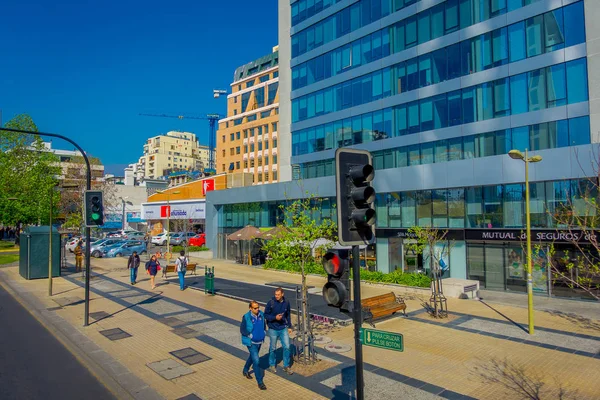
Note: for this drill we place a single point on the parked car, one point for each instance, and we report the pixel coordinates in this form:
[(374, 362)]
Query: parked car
[(198, 240), (133, 235), (160, 239), (181, 238), (125, 248), (97, 247), (113, 234), (72, 243)]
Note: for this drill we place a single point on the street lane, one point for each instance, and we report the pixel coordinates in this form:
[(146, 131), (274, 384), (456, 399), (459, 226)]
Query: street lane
[(35, 365)]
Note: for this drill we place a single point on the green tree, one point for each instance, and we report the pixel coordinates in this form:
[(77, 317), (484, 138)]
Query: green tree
[(27, 174), (298, 243), (434, 241)]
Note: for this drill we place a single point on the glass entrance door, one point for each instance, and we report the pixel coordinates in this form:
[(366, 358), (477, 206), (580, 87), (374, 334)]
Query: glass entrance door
[(494, 268)]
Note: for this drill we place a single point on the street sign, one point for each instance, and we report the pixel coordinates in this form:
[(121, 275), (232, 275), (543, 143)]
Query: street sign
[(382, 339)]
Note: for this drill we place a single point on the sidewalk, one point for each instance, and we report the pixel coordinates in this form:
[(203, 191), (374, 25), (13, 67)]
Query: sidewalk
[(437, 362)]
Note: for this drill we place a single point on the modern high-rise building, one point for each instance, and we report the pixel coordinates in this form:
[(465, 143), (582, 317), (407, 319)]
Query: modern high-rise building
[(247, 137), (172, 152), (439, 92)]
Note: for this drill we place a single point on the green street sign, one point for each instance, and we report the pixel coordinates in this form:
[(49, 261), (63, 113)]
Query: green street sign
[(382, 339)]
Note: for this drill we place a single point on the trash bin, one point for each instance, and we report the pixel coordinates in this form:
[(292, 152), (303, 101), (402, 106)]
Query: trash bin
[(209, 280), (33, 256)]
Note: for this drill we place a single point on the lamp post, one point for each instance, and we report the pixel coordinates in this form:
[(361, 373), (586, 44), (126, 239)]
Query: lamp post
[(123, 217), (168, 214), (517, 155)]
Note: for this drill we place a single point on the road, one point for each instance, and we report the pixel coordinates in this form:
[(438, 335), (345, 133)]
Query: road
[(35, 365)]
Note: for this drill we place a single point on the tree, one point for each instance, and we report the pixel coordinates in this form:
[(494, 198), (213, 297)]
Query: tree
[(27, 175), (297, 244), (430, 239)]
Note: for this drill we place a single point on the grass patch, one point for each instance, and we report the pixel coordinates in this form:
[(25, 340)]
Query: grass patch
[(8, 258), (177, 249), (7, 245)]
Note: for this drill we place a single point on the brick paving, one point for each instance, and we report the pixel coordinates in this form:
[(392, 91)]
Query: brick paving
[(438, 360)]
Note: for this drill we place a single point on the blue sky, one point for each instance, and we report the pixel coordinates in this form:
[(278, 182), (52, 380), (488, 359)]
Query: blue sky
[(86, 69)]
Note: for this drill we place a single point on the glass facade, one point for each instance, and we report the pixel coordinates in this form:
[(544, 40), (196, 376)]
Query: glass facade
[(547, 135)]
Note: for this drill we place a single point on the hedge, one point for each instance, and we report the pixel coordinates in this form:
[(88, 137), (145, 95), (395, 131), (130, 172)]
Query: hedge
[(397, 277), (177, 249)]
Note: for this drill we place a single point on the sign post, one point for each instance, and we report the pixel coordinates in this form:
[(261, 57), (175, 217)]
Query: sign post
[(382, 339)]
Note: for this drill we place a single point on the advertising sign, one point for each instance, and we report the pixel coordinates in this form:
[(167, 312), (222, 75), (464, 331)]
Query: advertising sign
[(207, 186), (191, 211)]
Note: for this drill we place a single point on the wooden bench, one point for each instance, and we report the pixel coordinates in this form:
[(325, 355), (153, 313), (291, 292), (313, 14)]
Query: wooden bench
[(191, 267), (382, 306)]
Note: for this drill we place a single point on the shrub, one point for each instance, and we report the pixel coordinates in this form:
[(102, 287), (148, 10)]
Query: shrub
[(397, 277), (177, 249)]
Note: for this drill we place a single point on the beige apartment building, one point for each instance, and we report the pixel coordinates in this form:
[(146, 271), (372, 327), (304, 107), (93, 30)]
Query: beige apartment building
[(171, 153), (72, 164), (247, 137)]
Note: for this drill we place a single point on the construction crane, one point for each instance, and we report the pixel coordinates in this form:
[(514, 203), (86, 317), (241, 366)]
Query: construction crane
[(212, 120)]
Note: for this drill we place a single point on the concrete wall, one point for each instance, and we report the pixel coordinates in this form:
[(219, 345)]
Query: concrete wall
[(285, 89)]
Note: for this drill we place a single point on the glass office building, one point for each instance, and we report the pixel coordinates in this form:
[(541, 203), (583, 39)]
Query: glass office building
[(439, 92)]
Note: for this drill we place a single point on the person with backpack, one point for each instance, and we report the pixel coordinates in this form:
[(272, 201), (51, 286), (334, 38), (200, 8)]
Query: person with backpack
[(181, 266), (277, 314), (252, 328), (133, 263)]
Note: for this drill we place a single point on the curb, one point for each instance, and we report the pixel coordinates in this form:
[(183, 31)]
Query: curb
[(121, 382)]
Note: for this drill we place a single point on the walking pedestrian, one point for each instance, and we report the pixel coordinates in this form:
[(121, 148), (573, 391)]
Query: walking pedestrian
[(181, 266), (152, 268), (133, 263), (78, 256), (252, 328), (277, 314)]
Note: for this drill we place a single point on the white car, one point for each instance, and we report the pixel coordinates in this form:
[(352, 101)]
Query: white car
[(72, 243), (160, 239), (133, 235)]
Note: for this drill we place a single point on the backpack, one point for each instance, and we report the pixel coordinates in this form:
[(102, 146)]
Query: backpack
[(183, 262)]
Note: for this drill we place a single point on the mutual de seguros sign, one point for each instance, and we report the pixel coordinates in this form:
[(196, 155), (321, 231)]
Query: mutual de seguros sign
[(195, 210)]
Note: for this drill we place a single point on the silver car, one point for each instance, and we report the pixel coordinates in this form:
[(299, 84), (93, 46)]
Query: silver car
[(97, 248)]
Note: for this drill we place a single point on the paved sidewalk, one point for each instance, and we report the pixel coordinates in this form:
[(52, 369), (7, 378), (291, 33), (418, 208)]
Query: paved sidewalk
[(438, 360)]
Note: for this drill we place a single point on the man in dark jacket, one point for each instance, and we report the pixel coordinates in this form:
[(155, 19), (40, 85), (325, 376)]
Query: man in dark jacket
[(133, 263), (277, 314)]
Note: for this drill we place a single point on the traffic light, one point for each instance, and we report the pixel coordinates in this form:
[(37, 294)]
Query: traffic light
[(355, 195), (336, 291), (94, 208)]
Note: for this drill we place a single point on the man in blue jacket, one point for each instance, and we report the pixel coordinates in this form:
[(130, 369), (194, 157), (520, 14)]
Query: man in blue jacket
[(279, 320), (252, 328)]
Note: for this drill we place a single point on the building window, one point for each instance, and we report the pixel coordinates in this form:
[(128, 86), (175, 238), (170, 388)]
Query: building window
[(274, 158), (252, 147), (235, 99), (260, 177), (245, 134), (260, 161), (232, 137), (245, 148), (260, 145), (231, 151), (274, 175), (274, 142), (274, 125), (237, 150), (237, 165), (223, 138), (266, 176), (223, 167), (245, 163), (267, 160), (266, 144), (267, 128), (252, 163), (237, 135)]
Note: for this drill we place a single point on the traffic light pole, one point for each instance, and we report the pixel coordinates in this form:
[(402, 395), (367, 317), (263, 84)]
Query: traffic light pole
[(360, 385), (88, 178)]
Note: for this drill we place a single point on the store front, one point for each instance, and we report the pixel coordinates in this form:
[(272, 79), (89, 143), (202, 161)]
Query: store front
[(183, 215), (494, 257)]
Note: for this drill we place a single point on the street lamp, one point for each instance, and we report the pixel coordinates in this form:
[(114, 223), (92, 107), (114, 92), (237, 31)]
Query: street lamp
[(168, 214), (125, 202), (517, 155)]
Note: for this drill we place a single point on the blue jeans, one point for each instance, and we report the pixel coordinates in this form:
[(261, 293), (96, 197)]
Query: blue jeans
[(254, 361), (284, 337), (133, 274), (181, 279)]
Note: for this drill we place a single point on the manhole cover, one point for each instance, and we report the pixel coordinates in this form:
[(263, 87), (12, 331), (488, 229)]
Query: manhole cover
[(337, 348), (190, 356), (185, 332), (320, 339)]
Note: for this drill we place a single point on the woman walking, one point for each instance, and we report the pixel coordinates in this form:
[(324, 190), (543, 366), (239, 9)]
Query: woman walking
[(253, 328), (152, 268)]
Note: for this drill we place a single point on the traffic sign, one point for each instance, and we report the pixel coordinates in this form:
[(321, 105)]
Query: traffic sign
[(382, 339)]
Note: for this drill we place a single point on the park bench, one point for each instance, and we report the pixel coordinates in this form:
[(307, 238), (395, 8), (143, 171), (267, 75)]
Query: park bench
[(382, 306), (191, 267)]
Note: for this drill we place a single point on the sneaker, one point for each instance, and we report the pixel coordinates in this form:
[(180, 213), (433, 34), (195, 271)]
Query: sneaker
[(273, 369), (262, 386), (288, 370), (247, 375)]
